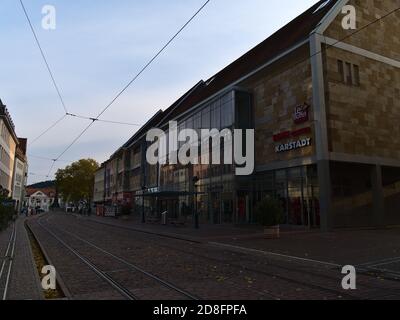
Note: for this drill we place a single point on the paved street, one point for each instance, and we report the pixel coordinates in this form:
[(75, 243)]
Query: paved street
[(108, 259)]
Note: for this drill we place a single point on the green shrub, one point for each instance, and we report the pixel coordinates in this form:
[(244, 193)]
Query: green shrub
[(269, 212), (126, 210), (6, 215)]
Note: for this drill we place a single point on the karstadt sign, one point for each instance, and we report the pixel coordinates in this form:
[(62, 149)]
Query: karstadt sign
[(293, 145)]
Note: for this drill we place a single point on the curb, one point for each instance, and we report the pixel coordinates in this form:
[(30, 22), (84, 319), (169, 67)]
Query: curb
[(164, 234), (60, 281), (36, 275)]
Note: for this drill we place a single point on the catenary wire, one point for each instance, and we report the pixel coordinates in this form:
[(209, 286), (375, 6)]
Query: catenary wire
[(328, 46), (133, 80), (43, 56)]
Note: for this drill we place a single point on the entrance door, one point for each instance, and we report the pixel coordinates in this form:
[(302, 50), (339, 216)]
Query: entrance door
[(243, 209)]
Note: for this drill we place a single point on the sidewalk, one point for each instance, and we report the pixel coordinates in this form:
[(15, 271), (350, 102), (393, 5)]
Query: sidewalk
[(24, 282), (4, 240), (343, 247), (206, 232)]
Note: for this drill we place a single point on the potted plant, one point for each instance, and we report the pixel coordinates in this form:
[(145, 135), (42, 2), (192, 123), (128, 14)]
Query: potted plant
[(269, 213)]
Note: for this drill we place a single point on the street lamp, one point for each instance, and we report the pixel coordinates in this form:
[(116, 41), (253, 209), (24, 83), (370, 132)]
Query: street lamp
[(196, 213)]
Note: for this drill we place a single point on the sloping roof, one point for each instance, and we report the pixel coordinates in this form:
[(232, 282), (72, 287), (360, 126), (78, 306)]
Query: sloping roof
[(156, 119), (23, 144), (44, 184), (50, 192), (5, 115), (287, 37)]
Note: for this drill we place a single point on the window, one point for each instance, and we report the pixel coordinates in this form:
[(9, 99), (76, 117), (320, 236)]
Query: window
[(341, 70), (349, 73), (356, 72), (227, 114), (205, 118), (216, 115), (349, 78)]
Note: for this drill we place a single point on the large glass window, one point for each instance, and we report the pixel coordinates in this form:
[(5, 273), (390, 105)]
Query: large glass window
[(216, 115), (205, 118)]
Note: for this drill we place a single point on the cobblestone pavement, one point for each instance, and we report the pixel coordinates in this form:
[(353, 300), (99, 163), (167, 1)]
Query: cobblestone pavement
[(344, 246), (4, 239), (204, 270), (24, 283)]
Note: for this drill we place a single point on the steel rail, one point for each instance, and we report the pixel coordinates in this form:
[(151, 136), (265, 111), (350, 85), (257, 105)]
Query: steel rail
[(132, 266), (9, 257), (120, 288)]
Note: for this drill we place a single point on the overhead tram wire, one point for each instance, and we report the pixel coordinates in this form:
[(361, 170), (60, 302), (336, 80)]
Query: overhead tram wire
[(101, 120), (44, 56), (37, 175), (48, 129), (55, 84), (328, 46), (131, 82), (48, 159)]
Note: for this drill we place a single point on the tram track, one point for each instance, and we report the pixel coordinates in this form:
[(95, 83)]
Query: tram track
[(283, 272), (286, 274), (7, 264), (107, 276), (367, 270)]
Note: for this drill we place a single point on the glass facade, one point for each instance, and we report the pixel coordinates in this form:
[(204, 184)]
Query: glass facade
[(297, 189), (213, 190), (213, 194)]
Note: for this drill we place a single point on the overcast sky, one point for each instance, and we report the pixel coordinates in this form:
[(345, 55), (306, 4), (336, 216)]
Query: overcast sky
[(99, 45)]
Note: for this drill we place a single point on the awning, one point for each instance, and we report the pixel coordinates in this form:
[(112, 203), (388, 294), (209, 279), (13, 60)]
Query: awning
[(168, 194)]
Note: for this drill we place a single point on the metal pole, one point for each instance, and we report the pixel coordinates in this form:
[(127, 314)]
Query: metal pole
[(196, 213), (143, 215)]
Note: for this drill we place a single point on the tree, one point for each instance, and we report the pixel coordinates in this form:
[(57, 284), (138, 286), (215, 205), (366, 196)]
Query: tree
[(75, 182), (6, 208), (269, 212)]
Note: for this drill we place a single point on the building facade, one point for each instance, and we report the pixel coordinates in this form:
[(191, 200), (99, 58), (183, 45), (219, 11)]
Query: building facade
[(99, 191), (20, 178), (8, 145), (40, 198), (324, 102)]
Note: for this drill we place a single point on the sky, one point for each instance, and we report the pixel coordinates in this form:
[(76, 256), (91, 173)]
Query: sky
[(98, 46)]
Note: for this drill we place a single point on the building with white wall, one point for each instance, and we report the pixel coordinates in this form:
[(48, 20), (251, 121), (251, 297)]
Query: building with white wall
[(20, 174), (40, 198), (8, 145)]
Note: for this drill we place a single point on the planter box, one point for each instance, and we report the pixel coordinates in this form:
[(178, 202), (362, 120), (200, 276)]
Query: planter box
[(272, 232)]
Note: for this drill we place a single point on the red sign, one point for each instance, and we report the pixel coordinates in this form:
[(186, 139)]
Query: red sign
[(301, 113), (290, 134)]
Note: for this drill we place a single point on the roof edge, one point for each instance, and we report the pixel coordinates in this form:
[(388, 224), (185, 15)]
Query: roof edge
[(329, 17)]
